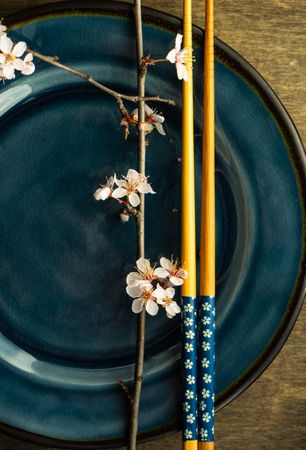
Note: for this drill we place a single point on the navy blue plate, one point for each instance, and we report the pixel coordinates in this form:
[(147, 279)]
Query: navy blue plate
[(67, 330)]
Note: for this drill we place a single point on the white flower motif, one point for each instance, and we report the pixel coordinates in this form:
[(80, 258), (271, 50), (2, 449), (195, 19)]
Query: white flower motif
[(178, 57), (10, 56), (188, 322), (205, 363), (164, 297), (206, 346), (202, 406), (152, 120), (206, 417), (188, 308), (207, 378), (131, 185), (142, 295), (207, 333), (188, 347), (105, 191), (204, 434), (206, 306), (190, 334), (205, 393), (188, 434), (186, 406), (189, 394), (188, 364), (171, 269), (190, 379), (206, 320), (190, 418)]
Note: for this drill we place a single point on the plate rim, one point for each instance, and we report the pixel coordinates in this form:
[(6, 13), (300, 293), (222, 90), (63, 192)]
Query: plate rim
[(296, 150)]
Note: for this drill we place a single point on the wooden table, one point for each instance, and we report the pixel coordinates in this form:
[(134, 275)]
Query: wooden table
[(271, 35)]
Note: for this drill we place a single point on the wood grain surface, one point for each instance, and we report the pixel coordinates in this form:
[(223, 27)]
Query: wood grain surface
[(271, 35)]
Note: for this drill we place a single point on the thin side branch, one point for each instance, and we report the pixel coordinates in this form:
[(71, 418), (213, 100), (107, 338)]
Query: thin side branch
[(53, 60)]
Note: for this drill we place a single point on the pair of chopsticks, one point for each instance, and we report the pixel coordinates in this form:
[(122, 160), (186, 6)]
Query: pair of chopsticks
[(198, 345)]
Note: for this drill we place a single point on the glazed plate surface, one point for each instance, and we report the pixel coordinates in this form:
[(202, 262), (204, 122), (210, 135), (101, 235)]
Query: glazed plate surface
[(67, 330)]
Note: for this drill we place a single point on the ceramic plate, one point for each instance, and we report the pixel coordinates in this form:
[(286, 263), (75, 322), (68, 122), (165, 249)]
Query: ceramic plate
[(67, 331)]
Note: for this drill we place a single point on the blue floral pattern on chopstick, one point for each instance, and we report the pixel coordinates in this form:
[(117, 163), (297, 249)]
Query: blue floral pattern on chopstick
[(206, 368), (189, 354)]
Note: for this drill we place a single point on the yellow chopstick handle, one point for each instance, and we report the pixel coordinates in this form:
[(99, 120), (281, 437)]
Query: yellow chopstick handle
[(188, 188), (190, 445), (206, 446), (208, 234)]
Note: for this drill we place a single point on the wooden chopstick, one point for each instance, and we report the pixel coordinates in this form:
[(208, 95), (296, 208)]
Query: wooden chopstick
[(189, 326), (206, 354)]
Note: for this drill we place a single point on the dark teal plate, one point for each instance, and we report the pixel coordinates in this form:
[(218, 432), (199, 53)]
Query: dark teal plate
[(68, 333)]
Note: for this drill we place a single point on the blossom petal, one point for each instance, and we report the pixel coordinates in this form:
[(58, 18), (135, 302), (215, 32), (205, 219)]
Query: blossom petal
[(132, 175), (143, 265), (137, 305), (28, 69), (166, 263), (18, 64), (172, 56), (176, 281), (133, 199), (159, 293), (170, 292), (151, 307), (133, 278), (102, 193), (160, 272), (158, 118), (119, 192), (8, 72), (28, 57), (160, 128), (181, 71), (133, 291), (145, 188), (178, 41), (6, 44), (149, 110), (19, 49)]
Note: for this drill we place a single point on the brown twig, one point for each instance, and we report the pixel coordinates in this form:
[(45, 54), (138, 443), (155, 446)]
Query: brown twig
[(54, 60), (138, 374), (126, 391)]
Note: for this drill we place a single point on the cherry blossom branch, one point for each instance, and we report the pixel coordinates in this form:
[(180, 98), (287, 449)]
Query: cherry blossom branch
[(138, 374), (54, 60)]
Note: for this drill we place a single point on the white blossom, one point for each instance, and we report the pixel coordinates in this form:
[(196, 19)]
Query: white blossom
[(105, 191), (142, 295), (171, 269), (10, 57), (179, 57), (207, 333), (206, 320), (190, 334), (206, 306), (188, 308), (130, 185), (188, 321), (165, 298), (153, 120), (203, 433), (206, 346)]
